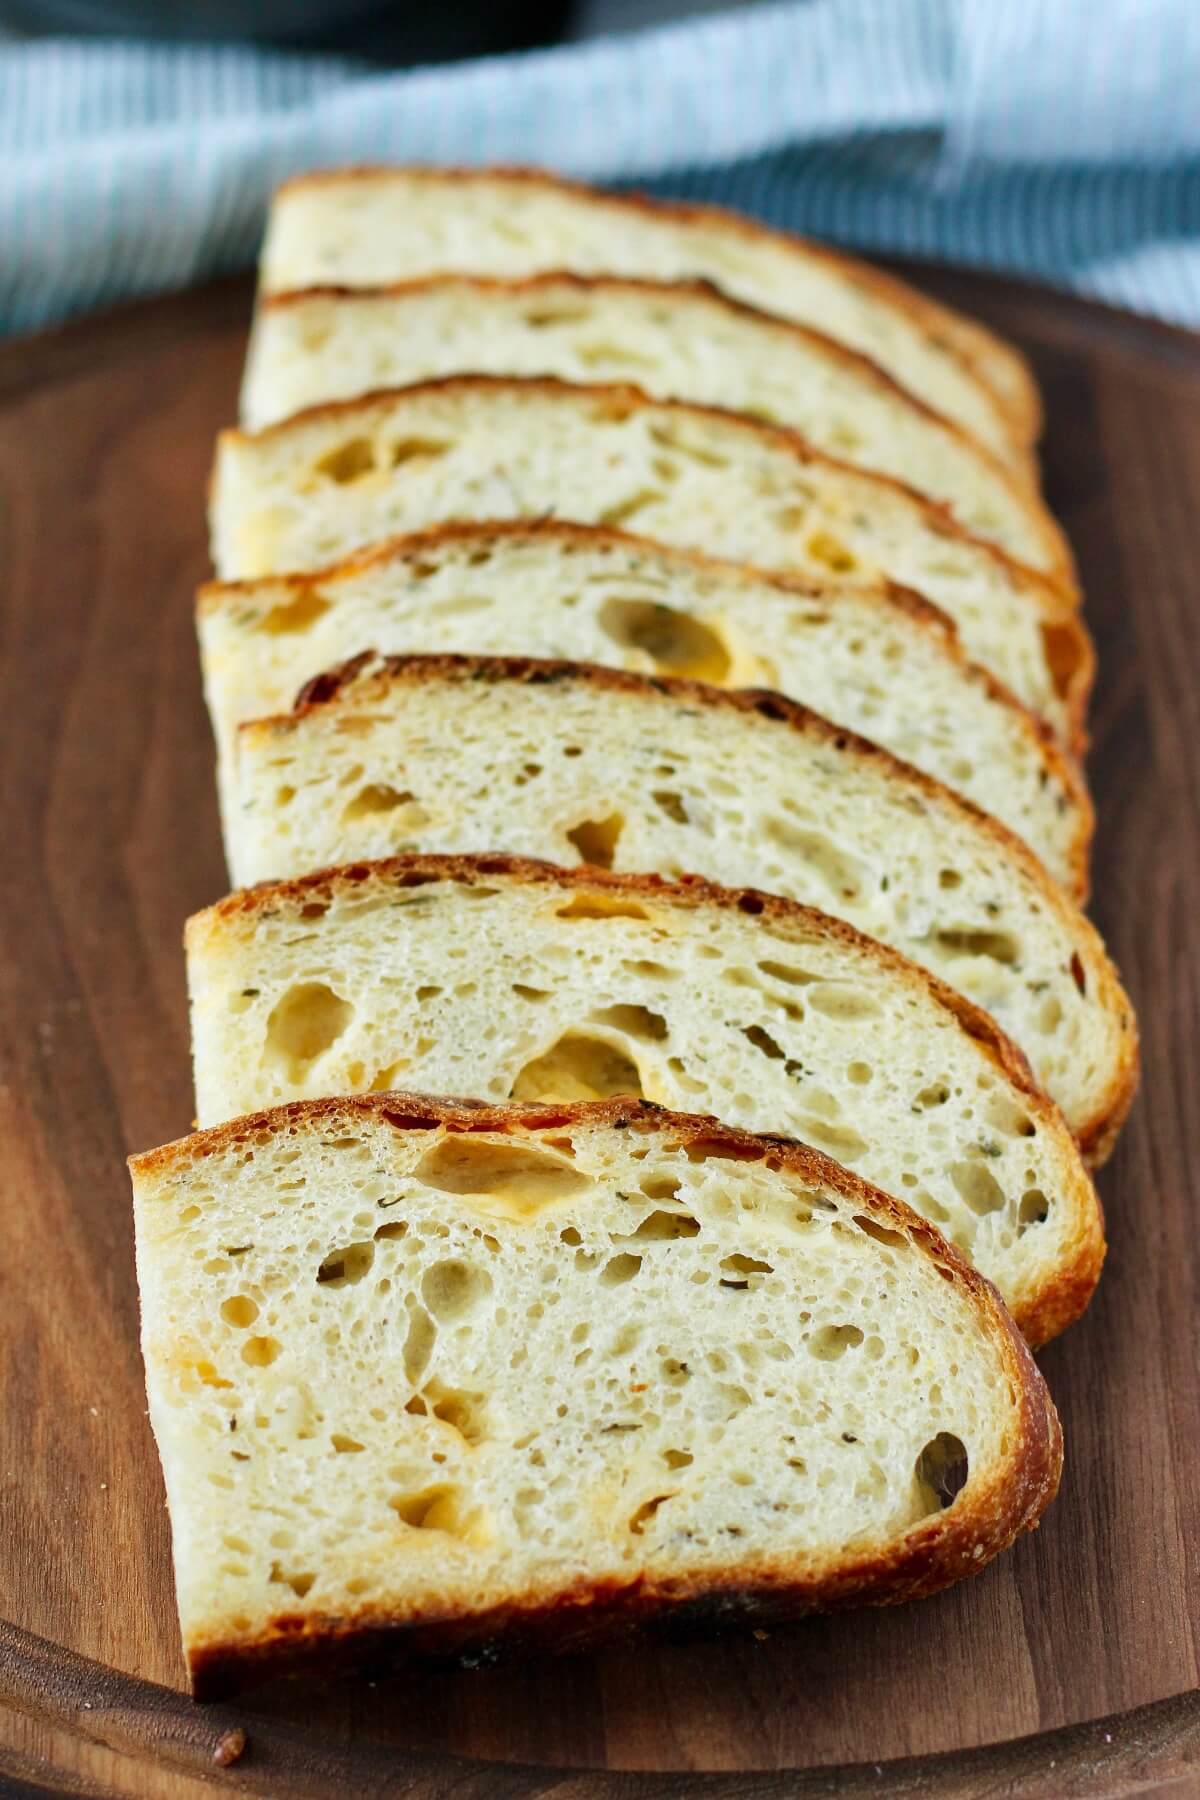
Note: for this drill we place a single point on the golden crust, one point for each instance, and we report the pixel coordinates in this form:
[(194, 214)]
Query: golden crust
[(1016, 401), (1070, 651), (626, 396), (940, 1550), (1048, 1310), (707, 293), (369, 673)]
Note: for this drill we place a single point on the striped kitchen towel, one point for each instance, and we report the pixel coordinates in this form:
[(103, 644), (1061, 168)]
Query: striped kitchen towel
[(1060, 141)]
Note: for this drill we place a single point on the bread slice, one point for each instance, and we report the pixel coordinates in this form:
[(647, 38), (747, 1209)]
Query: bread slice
[(857, 654), (425, 1376), (677, 342), (332, 480), (365, 227), (506, 979), (571, 764)]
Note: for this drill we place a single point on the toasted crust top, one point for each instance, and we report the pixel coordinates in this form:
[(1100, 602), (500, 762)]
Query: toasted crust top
[(1021, 410), (618, 400)]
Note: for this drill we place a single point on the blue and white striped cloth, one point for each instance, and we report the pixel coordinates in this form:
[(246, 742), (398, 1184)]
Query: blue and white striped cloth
[(1054, 138)]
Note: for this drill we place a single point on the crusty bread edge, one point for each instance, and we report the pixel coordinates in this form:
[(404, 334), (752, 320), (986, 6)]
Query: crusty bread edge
[(1060, 580), (1017, 405), (357, 680), (1043, 1314), (938, 1551), (1058, 620), (708, 294)]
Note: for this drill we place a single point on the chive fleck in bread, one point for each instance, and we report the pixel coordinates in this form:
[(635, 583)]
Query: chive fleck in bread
[(682, 343), (334, 479), (427, 1376), (365, 227), (571, 764), (859, 655), (505, 979)]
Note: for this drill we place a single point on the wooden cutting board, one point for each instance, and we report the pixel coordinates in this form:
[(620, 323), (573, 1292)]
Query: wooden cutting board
[(1086, 1631)]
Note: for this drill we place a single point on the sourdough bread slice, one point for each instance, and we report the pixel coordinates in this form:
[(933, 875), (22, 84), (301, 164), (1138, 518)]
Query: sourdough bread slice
[(423, 1376), (681, 343), (857, 654), (505, 979), (366, 227), (571, 765), (342, 476)]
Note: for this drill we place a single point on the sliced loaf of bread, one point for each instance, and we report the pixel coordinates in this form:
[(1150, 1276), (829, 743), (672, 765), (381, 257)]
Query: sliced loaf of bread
[(858, 655), (367, 227), (502, 979), (330, 481), (585, 765), (681, 343), (427, 1376)]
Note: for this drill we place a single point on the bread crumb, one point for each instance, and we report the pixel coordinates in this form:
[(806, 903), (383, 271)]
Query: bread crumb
[(229, 1747)]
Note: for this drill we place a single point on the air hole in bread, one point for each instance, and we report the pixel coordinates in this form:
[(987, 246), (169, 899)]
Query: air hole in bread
[(665, 1227), (624, 510), (762, 1040), (431, 1509), (384, 1080), (579, 1068), (1001, 946), (674, 437), (596, 840), (526, 992), (660, 1187), (739, 1269), (378, 797), (620, 1269), (978, 1187), (638, 1021), (941, 1471), (788, 973), (260, 1352), (880, 1233), (506, 1181), (676, 642), (672, 805), (839, 1001), (831, 553), (841, 873), (346, 1266), (678, 1459), (838, 1141), (645, 1512), (304, 1024), (1003, 1112), (239, 1310), (295, 615), (299, 1581), (348, 462), (949, 879), (1034, 1208), (418, 1343), (600, 906), (462, 1411), (452, 1290), (415, 449)]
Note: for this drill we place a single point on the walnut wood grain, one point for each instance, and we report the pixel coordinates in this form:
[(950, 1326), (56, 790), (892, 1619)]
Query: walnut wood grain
[(110, 839)]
